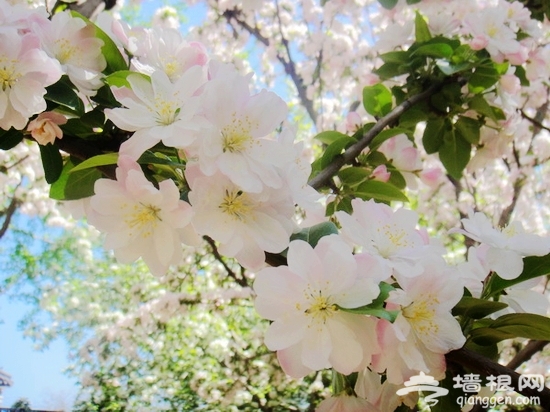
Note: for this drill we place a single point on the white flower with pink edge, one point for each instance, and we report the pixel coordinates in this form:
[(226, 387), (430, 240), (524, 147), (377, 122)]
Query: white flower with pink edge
[(309, 330), (140, 220)]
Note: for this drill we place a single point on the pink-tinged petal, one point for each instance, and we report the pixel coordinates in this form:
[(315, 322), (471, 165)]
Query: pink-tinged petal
[(278, 290), (235, 166), (267, 110), (347, 352), (270, 235), (339, 266), (137, 144), (303, 261), (132, 119), (344, 403), (316, 347), (447, 337), (165, 243), (363, 292), (507, 263), (291, 362), (529, 245), (251, 256), (286, 331)]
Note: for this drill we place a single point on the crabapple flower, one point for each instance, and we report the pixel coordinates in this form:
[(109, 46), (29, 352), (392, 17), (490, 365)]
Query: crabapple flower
[(45, 128), (140, 220), (158, 110), (402, 154), (309, 330), (246, 224), (236, 143), (74, 44), (507, 246), (425, 329), (25, 72), (345, 403), (389, 236)]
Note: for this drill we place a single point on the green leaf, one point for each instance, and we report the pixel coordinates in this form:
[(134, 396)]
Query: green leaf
[(77, 185), (522, 76), (454, 153), (63, 93), (388, 4), (401, 57), (10, 138), (329, 136), (468, 129), (120, 78), (482, 79), (335, 148), (416, 114), (432, 139), (475, 308), (449, 69), (385, 135), (313, 234), (437, 50), (352, 176), (421, 29), (115, 60), (533, 267), (513, 325), (51, 161), (374, 189), (99, 160), (377, 100), (376, 307), (480, 105), (391, 69)]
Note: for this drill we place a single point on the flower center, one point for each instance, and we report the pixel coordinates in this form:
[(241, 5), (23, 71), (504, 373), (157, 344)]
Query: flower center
[(236, 135), (236, 204), (421, 315), (391, 239), (320, 306), (65, 50), (166, 111), (8, 76), (144, 218)]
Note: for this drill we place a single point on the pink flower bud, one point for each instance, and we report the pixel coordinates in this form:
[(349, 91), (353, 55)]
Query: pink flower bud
[(45, 128), (381, 173)]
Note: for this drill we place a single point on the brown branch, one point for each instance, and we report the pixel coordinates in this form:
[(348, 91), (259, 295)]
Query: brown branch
[(532, 347), (241, 281), (484, 366), (8, 212), (536, 122), (507, 212), (288, 63), (323, 178)]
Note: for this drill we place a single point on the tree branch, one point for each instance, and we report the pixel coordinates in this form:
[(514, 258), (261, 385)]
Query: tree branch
[(8, 212), (532, 347), (288, 64), (241, 281), (484, 366), (322, 179)]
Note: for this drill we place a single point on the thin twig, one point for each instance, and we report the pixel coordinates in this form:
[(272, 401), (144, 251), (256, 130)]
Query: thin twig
[(288, 63), (241, 281), (355, 150), (536, 122), (9, 212)]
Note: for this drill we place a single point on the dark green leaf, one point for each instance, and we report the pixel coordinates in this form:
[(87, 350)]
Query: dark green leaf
[(401, 57), (468, 129), (51, 161), (482, 79), (454, 153), (352, 176), (416, 114), (533, 267), (63, 93), (330, 136), (77, 185), (388, 4), (377, 100), (476, 308), (10, 138), (391, 69), (513, 325), (479, 104), (437, 50), (522, 76), (313, 234), (374, 189), (335, 149), (432, 139), (421, 29)]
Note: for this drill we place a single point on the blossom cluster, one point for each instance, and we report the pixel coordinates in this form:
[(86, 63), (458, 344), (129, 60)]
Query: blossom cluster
[(375, 299)]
